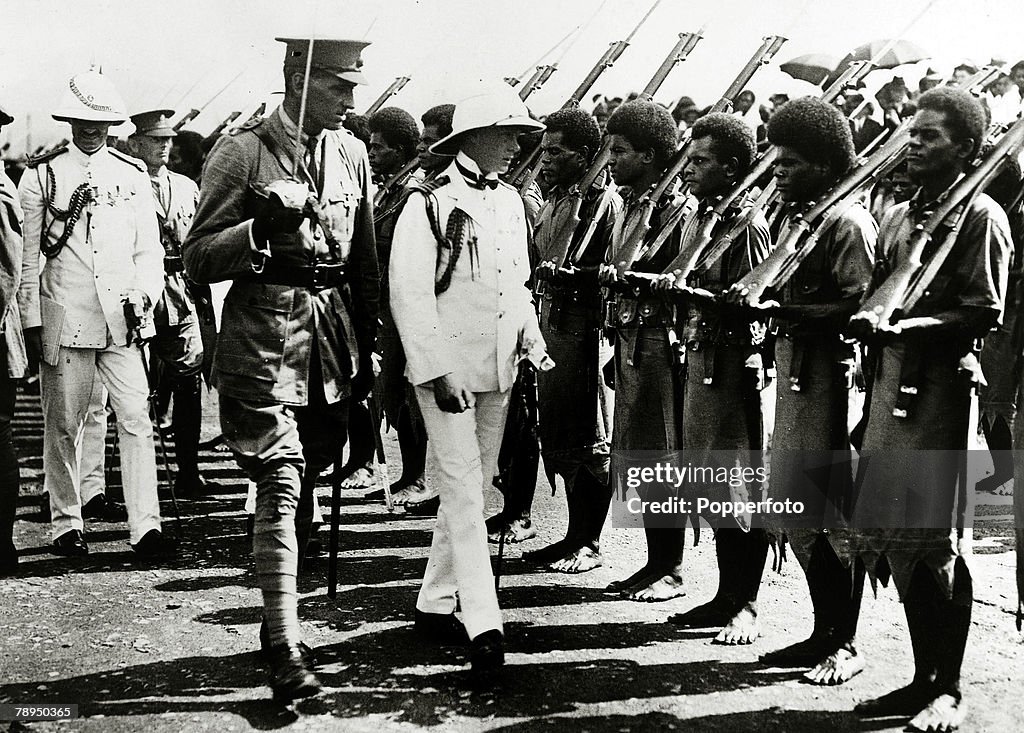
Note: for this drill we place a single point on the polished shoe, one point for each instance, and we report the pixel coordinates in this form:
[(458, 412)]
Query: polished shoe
[(99, 508), (153, 546), (440, 628), (426, 508), (486, 651), (190, 485), (71, 544), (8, 559), (308, 657), (289, 678)]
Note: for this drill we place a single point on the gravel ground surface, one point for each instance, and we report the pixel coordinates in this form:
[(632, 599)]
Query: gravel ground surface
[(173, 647)]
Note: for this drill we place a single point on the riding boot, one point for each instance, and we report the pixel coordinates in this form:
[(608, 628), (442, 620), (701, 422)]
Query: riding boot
[(187, 420)]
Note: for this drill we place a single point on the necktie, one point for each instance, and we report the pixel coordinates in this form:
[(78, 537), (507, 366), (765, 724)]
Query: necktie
[(475, 180), (312, 164)]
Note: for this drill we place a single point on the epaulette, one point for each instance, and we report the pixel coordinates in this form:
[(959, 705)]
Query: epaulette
[(250, 124), (426, 187), (134, 162), (35, 160)]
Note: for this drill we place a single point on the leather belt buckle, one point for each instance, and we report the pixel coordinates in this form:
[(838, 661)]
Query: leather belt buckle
[(321, 274)]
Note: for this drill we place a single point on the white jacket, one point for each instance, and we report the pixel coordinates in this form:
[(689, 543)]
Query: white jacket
[(475, 328), (114, 247)]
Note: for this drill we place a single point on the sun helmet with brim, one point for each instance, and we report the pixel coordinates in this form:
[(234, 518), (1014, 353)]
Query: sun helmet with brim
[(497, 106), (91, 97)]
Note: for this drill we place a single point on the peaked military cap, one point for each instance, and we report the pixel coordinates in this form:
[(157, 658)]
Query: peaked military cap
[(154, 123), (337, 56)]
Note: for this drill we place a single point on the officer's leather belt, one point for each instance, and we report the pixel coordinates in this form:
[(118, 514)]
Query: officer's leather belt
[(173, 264), (312, 277)]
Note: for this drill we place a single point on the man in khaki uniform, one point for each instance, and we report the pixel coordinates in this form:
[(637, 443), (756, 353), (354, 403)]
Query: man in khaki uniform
[(299, 322)]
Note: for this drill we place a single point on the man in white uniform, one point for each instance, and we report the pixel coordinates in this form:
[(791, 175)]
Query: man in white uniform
[(89, 211), (458, 270)]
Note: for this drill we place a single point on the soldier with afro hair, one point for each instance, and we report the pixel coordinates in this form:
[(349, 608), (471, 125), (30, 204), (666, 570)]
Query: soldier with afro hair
[(574, 429), (921, 403), (646, 380), (815, 150), (722, 404)]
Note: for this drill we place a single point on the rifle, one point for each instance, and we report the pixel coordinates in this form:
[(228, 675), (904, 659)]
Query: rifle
[(806, 228), (642, 222), (256, 114), (540, 75), (900, 292), (527, 171), (227, 121), (395, 87), (193, 113)]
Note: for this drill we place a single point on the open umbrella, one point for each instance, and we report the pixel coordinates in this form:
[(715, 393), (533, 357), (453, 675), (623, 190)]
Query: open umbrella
[(897, 53), (811, 67)]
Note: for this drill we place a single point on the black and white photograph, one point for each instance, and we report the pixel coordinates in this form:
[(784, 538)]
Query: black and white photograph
[(519, 366)]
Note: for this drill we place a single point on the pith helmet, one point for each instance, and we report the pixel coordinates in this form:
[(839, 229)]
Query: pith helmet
[(496, 106), (91, 96)]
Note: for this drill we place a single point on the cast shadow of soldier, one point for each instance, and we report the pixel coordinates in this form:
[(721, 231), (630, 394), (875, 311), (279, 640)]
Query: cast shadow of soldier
[(375, 674)]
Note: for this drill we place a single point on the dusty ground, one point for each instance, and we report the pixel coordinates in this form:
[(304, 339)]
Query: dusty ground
[(173, 648)]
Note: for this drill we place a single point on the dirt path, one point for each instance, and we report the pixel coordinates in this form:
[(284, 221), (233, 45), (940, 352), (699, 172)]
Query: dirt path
[(173, 648)]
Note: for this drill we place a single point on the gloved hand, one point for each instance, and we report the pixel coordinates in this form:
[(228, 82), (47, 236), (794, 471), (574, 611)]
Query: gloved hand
[(278, 220), (34, 346), (137, 317)]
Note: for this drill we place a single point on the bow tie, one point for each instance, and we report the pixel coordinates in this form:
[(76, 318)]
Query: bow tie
[(475, 180)]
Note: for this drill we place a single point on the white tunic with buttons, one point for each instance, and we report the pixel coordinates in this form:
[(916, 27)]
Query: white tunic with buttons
[(472, 329), (114, 247)]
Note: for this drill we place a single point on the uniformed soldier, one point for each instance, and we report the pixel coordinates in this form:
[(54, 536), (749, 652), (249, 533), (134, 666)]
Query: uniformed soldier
[(177, 346), (89, 212), (12, 358), (574, 403), (647, 390), (721, 417), (458, 271), (811, 439), (919, 411), (299, 321)]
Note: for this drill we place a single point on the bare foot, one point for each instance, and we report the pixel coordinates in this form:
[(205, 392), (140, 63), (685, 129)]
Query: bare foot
[(715, 612), (904, 702), (644, 575), (743, 628), (662, 589), (581, 561), (944, 713), (553, 552), (838, 667), (415, 493), (361, 478), (806, 653), (519, 530)]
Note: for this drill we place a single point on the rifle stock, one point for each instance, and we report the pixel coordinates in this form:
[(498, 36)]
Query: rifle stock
[(391, 182)]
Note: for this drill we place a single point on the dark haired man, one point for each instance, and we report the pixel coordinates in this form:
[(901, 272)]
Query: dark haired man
[(647, 391), (811, 441), (437, 124), (573, 402), (393, 140), (920, 402), (299, 321), (177, 346), (722, 403)]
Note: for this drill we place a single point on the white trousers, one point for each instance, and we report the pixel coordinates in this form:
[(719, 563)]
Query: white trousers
[(67, 389), (92, 459), (464, 448)]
